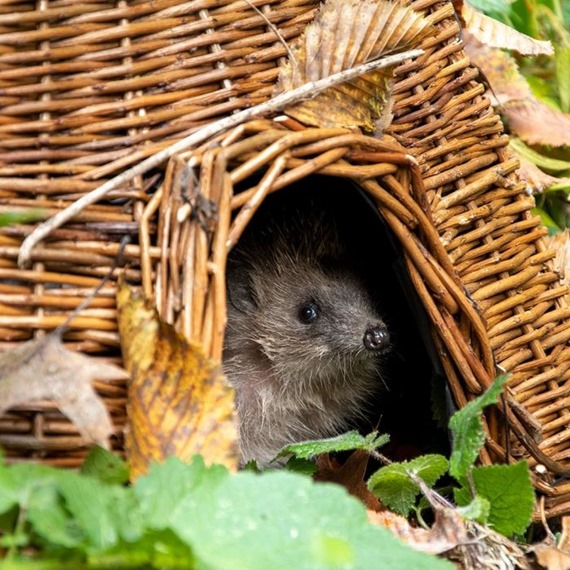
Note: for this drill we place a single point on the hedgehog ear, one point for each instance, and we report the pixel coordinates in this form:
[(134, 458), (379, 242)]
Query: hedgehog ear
[(240, 290)]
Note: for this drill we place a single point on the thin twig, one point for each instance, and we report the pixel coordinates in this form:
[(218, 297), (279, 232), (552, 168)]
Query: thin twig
[(116, 262), (274, 105), (274, 29)]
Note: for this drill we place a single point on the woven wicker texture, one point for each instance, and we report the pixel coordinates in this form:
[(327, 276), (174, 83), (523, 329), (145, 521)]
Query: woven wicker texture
[(88, 89)]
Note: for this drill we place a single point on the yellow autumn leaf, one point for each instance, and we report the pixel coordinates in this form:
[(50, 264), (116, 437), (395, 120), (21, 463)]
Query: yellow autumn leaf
[(178, 400)]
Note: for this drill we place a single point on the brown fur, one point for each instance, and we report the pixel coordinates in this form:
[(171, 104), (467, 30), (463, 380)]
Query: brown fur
[(297, 380)]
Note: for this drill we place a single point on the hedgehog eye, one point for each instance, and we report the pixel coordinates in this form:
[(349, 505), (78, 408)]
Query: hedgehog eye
[(308, 313)]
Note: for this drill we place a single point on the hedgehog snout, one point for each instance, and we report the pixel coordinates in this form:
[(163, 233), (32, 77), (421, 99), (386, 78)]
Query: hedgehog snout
[(376, 338)]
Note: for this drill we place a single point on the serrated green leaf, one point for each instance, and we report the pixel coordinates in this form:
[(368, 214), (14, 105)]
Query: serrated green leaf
[(394, 487), (476, 510), (105, 466), (9, 490), (51, 521), (161, 490), (94, 506), (282, 520), (345, 442), (510, 494), (468, 435), (302, 466), (33, 489)]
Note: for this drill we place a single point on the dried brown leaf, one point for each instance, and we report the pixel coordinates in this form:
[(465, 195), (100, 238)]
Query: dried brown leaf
[(179, 402), (350, 474), (45, 370), (343, 35), (555, 556), (533, 121), (500, 69), (552, 558), (447, 532), (537, 123), (560, 243), (536, 179), (496, 34)]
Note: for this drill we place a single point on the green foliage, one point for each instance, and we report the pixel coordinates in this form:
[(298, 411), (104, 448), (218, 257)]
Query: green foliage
[(393, 485), (105, 466), (346, 442), (500, 495), (32, 215), (191, 516), (549, 79), (468, 435), (508, 492), (188, 515)]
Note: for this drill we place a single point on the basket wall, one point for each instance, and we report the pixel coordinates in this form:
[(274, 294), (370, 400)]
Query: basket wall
[(89, 89)]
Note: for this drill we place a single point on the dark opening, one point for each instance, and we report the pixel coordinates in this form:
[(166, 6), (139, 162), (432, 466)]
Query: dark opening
[(404, 407)]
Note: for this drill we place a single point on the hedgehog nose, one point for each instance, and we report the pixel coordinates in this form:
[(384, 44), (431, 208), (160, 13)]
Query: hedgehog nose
[(376, 338)]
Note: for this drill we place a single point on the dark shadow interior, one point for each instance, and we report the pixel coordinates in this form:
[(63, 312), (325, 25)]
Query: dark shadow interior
[(405, 407)]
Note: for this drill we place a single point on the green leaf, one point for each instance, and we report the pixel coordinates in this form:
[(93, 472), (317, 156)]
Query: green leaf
[(345, 442), (9, 489), (491, 7), (563, 76), (162, 489), (468, 435), (105, 466), (94, 506), (509, 492), (8, 218), (34, 490), (393, 486), (302, 466), (279, 520), (542, 161), (547, 221), (476, 510)]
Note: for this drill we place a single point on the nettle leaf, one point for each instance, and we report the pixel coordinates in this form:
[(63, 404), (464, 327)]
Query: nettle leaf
[(509, 492), (9, 490), (105, 466), (476, 510), (393, 486), (51, 521), (33, 489), (282, 520), (162, 489), (468, 435), (101, 510), (302, 466), (345, 442)]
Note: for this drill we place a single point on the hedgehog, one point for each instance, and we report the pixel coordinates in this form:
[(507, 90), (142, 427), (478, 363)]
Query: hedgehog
[(304, 340)]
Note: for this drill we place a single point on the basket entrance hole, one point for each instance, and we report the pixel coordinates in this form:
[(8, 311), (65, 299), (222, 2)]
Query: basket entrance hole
[(412, 395)]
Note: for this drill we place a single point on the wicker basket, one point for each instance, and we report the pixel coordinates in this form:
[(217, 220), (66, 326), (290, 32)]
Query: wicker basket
[(89, 89)]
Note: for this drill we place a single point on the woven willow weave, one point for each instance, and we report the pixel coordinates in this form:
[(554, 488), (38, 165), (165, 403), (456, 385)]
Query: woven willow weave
[(89, 89)]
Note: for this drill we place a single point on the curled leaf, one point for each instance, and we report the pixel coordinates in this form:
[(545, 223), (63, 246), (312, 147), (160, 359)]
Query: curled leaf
[(493, 33), (343, 35), (178, 401), (530, 119)]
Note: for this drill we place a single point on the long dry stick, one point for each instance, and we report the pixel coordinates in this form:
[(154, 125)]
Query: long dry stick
[(274, 105)]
